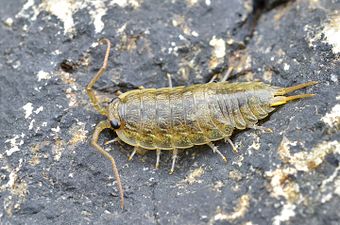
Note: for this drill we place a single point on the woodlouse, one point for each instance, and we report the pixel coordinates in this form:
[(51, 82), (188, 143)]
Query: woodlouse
[(176, 118)]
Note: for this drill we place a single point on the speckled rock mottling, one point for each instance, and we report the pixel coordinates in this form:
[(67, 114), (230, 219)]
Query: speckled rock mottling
[(48, 52)]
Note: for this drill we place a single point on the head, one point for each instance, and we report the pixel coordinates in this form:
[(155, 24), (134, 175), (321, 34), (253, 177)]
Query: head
[(113, 115)]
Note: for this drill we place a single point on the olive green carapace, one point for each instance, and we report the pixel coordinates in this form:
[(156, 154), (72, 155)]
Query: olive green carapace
[(177, 118)]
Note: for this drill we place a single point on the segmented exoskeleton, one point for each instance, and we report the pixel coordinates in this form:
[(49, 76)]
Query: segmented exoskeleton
[(181, 117)]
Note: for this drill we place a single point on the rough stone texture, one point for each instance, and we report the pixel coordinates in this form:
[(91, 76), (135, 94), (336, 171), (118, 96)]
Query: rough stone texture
[(48, 53)]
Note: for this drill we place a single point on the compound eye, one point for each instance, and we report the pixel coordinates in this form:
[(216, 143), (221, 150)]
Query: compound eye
[(115, 124)]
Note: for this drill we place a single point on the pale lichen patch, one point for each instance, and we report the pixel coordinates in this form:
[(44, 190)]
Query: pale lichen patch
[(194, 33), (287, 212), (58, 148), (42, 75), (332, 118), (256, 145), (17, 187), (180, 21), (281, 185), (28, 108), (193, 177), (30, 127), (72, 97), (332, 33), (238, 160), (65, 9), (286, 66), (26, 13), (267, 75), (78, 133), (68, 79), (72, 90), (8, 22), (97, 14), (218, 185), (124, 3), (191, 3), (235, 175), (218, 52), (36, 154), (240, 210), (39, 110), (337, 187), (56, 129), (15, 143), (332, 182), (306, 161), (328, 33)]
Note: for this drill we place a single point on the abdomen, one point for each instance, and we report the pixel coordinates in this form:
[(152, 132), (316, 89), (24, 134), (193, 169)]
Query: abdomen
[(182, 117)]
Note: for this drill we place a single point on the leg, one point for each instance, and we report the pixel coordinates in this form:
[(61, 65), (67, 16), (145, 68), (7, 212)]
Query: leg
[(170, 80), (215, 150), (227, 75), (158, 154), (116, 139), (138, 150), (261, 128), (90, 92), (135, 149), (99, 128), (232, 144), (213, 78), (174, 157)]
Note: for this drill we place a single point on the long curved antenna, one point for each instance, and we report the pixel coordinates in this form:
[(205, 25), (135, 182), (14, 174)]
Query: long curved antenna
[(93, 98), (99, 128)]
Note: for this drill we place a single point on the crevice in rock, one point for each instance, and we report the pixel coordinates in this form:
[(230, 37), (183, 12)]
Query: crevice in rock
[(244, 31)]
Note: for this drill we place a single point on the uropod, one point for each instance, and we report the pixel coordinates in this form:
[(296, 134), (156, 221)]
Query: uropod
[(178, 118)]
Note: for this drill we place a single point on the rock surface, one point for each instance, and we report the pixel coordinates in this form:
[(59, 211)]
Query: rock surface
[(49, 52)]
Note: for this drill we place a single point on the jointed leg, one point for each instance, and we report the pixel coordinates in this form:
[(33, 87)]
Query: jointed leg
[(227, 75), (170, 80), (174, 157), (99, 128), (158, 154), (213, 78), (232, 144), (116, 139), (138, 150), (135, 149), (261, 128), (89, 87), (215, 150)]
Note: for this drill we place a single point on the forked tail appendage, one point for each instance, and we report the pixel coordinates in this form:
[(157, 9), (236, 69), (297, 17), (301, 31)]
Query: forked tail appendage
[(280, 99)]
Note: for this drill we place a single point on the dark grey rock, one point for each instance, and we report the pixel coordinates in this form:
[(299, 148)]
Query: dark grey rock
[(50, 174)]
